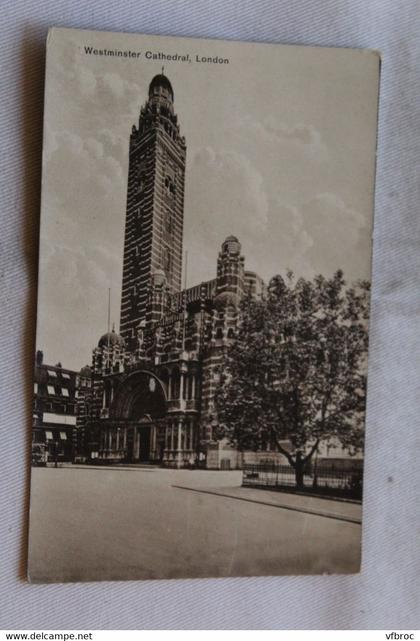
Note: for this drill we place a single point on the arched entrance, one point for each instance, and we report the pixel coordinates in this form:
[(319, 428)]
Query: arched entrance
[(142, 440), (139, 404)]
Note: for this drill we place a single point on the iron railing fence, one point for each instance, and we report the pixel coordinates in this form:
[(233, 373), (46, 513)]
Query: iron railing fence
[(323, 480)]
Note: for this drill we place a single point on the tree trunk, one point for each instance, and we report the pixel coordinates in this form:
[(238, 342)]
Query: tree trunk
[(299, 474)]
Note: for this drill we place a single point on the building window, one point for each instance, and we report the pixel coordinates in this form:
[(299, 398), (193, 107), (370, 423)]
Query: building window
[(51, 390), (49, 436), (63, 436), (52, 373), (64, 375), (65, 391), (169, 186)]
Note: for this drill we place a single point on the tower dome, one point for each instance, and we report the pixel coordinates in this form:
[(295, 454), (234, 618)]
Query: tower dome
[(226, 299), (86, 371), (111, 339), (231, 245), (161, 81), (158, 277)]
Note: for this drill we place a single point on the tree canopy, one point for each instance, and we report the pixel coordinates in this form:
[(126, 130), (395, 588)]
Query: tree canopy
[(297, 369)]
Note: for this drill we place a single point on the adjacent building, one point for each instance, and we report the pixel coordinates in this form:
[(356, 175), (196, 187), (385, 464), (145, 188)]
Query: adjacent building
[(54, 412)]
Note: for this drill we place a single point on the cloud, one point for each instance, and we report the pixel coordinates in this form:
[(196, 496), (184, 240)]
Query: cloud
[(340, 234), (277, 175), (74, 284), (84, 195), (277, 149), (85, 78), (321, 235), (225, 194), (99, 96), (304, 137), (83, 179)]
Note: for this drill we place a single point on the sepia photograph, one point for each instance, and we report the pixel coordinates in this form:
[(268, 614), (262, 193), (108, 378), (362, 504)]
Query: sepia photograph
[(203, 308)]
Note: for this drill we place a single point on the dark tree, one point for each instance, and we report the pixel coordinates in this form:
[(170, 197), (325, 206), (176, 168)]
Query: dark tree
[(295, 376)]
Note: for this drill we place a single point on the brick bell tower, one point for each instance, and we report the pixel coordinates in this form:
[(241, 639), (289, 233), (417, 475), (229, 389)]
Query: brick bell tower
[(155, 207)]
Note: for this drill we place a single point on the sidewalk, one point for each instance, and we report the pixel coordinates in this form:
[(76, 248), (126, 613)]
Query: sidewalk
[(227, 484), (328, 508)]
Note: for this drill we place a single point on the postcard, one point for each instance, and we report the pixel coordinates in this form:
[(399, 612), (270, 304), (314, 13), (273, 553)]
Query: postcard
[(203, 308)]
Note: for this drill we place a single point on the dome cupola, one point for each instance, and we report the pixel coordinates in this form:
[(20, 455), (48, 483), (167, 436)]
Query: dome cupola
[(158, 278), (111, 339), (160, 85), (86, 371), (231, 245)]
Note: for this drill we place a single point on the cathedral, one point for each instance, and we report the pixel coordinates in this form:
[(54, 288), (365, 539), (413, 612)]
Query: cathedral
[(151, 397)]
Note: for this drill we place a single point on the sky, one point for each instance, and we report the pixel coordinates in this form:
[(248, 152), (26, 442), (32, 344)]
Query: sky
[(280, 153)]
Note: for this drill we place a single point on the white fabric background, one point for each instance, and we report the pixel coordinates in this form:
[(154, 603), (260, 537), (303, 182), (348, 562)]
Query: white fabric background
[(386, 594)]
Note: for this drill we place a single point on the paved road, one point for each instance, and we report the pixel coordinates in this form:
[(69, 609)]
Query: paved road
[(128, 523)]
